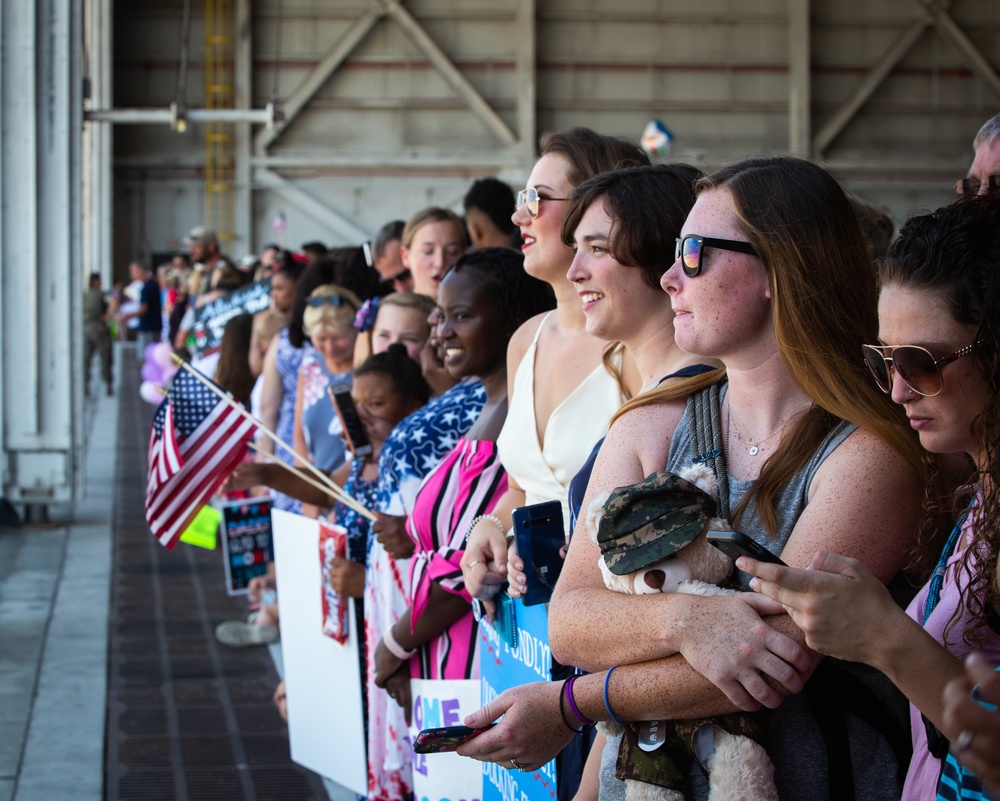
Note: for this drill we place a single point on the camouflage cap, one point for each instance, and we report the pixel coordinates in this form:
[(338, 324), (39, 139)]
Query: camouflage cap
[(651, 520)]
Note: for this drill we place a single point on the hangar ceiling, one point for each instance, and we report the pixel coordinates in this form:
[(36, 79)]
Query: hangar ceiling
[(390, 105)]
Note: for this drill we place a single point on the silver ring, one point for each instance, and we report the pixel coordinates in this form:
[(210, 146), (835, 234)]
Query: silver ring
[(964, 740), (518, 765), (473, 563)]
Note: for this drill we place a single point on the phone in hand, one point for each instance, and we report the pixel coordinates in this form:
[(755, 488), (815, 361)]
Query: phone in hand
[(540, 535), (505, 618), (735, 544), (350, 421), (449, 738)]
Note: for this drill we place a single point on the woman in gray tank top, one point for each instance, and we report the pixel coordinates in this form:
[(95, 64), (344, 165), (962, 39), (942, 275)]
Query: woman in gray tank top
[(772, 278)]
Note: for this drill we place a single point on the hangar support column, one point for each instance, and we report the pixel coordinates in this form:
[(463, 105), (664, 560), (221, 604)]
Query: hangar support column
[(40, 247)]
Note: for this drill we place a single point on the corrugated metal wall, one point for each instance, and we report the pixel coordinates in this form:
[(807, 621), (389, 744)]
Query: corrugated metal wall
[(386, 134)]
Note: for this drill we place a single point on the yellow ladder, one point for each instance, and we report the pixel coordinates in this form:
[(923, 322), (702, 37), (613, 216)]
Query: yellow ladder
[(219, 140)]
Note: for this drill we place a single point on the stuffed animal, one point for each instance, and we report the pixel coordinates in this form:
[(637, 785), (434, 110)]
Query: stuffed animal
[(652, 539)]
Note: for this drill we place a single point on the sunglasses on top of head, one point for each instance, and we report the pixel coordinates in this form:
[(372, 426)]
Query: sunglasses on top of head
[(529, 199), (328, 300), (919, 370), (690, 249)]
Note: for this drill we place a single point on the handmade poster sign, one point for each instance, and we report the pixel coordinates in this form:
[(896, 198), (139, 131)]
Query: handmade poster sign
[(246, 537), (211, 318), (436, 704), (322, 677), (504, 667), (333, 545)]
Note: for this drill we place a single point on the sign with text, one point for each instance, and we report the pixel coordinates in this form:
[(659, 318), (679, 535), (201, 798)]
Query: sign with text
[(437, 777), (326, 730), (246, 534), (504, 667), (211, 318)]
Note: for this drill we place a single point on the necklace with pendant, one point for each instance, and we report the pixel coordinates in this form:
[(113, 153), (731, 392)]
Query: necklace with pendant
[(753, 446)]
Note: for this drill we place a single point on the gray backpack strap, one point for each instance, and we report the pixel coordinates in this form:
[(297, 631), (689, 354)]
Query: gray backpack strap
[(705, 422)]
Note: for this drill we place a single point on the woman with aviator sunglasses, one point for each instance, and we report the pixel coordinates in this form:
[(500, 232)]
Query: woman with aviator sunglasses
[(562, 395), (563, 390), (939, 289)]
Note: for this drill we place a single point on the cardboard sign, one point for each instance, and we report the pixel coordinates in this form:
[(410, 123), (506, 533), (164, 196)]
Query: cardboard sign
[(444, 776), (246, 534), (333, 545), (211, 318), (322, 678), (504, 667)]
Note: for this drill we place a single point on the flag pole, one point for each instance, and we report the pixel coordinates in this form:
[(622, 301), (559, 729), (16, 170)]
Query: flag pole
[(271, 459), (335, 489)]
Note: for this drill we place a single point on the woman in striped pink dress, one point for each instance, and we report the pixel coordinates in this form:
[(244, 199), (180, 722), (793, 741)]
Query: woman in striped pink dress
[(481, 301)]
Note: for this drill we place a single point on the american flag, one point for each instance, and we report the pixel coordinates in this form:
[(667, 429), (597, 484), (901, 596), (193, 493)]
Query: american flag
[(196, 442)]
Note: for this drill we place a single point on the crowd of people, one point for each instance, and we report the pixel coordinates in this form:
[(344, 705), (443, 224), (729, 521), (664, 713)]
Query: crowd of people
[(583, 341)]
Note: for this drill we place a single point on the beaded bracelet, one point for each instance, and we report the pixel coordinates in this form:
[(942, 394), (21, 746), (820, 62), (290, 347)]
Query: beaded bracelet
[(607, 704), (394, 647), (491, 517)]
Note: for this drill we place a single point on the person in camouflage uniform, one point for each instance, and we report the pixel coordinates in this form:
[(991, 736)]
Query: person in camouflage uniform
[(96, 336)]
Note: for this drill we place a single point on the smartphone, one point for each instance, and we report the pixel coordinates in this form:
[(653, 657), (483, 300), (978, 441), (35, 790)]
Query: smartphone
[(354, 431), (449, 738), (540, 534), (735, 544)]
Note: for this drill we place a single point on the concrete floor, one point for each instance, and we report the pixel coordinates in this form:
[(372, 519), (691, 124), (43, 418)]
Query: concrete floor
[(55, 591)]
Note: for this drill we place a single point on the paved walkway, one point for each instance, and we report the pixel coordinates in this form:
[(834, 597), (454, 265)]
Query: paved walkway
[(112, 685)]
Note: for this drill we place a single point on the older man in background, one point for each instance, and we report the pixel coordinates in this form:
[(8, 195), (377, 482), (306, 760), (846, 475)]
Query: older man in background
[(984, 174)]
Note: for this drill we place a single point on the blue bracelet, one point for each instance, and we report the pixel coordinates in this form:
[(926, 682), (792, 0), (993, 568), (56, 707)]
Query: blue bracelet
[(607, 704)]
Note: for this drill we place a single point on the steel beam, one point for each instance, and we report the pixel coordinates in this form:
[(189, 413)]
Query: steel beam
[(40, 244), (242, 138), (799, 77), (311, 205), (526, 81), (864, 90), (97, 144), (304, 92), (449, 72), (956, 37), (171, 116)]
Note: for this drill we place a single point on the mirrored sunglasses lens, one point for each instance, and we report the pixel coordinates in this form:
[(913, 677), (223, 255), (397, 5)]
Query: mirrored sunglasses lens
[(531, 201), (691, 255), (916, 367), (878, 367), (528, 200)]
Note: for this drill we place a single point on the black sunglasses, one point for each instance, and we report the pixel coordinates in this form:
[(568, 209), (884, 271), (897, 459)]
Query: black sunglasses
[(690, 248), (401, 276), (971, 186), (919, 370)]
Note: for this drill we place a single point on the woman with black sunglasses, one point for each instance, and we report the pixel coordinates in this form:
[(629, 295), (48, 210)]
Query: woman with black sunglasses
[(809, 453), (940, 295)]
